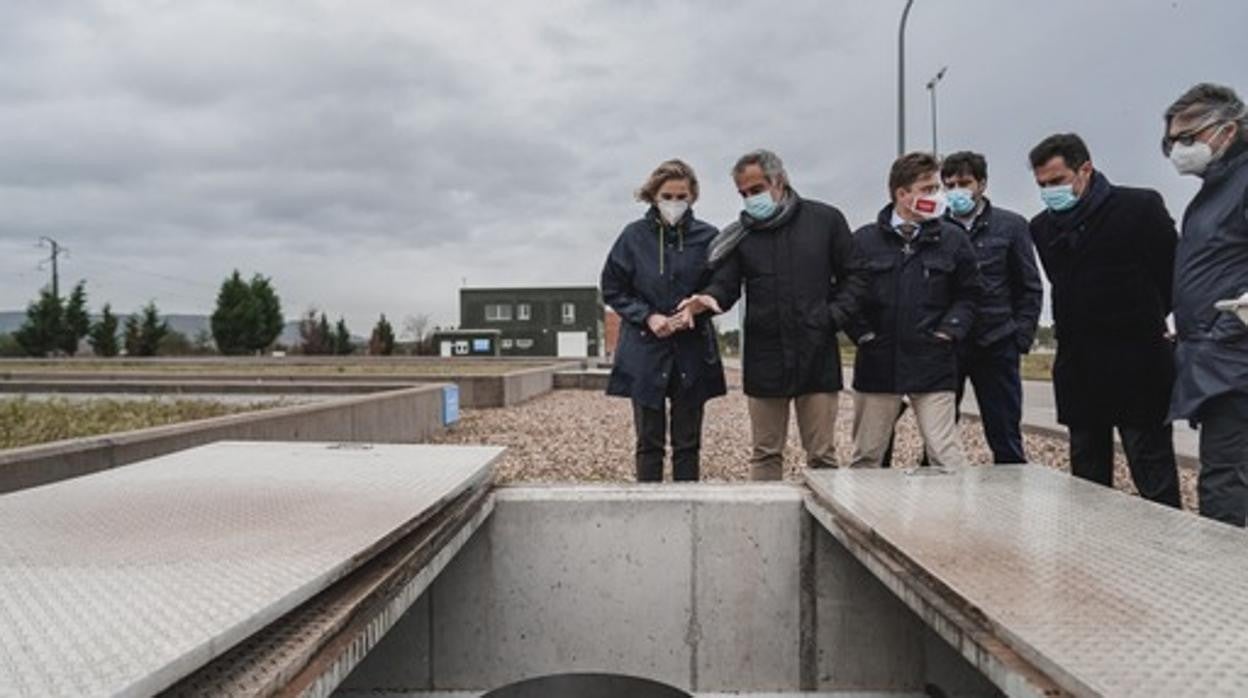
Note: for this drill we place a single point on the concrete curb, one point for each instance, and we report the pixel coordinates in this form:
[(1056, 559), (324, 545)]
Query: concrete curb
[(409, 415), (484, 390)]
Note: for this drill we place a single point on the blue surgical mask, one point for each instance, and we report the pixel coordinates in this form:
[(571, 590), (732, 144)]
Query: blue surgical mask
[(1059, 198), (760, 206), (961, 201)]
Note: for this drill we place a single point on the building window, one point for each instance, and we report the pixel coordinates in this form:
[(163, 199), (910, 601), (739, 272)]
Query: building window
[(524, 311), (569, 313), (524, 344), (497, 313)]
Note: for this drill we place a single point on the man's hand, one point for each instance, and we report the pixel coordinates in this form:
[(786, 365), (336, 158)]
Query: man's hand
[(659, 326), (682, 320), (700, 303)]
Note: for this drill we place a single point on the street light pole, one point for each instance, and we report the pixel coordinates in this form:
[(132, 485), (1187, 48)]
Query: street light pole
[(931, 87), (901, 80)]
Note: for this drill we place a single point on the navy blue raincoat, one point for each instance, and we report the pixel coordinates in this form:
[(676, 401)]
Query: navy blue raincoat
[(651, 268)]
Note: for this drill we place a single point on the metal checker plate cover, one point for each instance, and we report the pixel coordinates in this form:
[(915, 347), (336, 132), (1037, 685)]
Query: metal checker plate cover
[(1107, 593), (120, 583)]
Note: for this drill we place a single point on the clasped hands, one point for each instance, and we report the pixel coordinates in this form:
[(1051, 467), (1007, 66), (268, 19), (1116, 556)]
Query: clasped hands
[(664, 326)]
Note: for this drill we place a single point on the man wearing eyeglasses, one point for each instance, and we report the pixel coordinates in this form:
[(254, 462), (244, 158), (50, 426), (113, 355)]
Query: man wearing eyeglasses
[(1108, 251), (1207, 136)]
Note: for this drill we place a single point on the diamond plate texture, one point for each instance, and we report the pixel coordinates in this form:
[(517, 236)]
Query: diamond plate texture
[(1109, 594), (119, 583)]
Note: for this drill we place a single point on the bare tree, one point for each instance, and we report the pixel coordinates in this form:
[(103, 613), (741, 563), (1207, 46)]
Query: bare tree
[(415, 327)]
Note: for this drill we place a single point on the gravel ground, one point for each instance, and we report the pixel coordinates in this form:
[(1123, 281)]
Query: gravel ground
[(585, 436)]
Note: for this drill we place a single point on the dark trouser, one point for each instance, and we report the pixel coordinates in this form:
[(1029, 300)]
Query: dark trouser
[(1150, 456), (993, 371), (1224, 458), (652, 427)]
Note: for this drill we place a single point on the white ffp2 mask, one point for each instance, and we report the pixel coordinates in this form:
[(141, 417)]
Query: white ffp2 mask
[(673, 211)]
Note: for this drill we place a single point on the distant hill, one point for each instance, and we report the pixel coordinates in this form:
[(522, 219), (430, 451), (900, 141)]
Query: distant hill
[(189, 325)]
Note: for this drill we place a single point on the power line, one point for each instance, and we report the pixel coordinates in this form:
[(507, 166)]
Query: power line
[(180, 280), (158, 275)]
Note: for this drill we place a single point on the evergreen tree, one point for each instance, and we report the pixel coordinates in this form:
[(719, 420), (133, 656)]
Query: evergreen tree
[(266, 315), (132, 338), (145, 332), (43, 331), (248, 317), (326, 332), (342, 339), (76, 323), (381, 343), (230, 322), (104, 334)]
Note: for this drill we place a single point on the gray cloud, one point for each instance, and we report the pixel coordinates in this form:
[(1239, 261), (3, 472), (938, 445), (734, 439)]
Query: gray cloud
[(372, 155)]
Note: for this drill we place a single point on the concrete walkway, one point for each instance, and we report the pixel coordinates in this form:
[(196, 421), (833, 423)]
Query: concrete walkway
[(1040, 414)]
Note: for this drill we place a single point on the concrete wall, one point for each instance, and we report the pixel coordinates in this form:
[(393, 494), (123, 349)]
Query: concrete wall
[(397, 363), (403, 416), (195, 386), (478, 391), (705, 587), (586, 379)]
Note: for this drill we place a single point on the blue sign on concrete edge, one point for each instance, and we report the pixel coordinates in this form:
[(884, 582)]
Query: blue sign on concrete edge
[(450, 404)]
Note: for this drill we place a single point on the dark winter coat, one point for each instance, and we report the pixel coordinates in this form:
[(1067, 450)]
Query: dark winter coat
[(651, 268), (1012, 294), (915, 290), (1212, 265), (801, 287), (1110, 262)]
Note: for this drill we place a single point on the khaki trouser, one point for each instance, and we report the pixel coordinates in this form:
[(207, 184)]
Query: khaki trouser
[(876, 413), (769, 424)]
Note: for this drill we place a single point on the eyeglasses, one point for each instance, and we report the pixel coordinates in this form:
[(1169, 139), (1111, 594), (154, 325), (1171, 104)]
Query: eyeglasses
[(1186, 138)]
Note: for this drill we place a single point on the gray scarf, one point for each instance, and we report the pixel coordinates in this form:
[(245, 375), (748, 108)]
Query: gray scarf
[(732, 235)]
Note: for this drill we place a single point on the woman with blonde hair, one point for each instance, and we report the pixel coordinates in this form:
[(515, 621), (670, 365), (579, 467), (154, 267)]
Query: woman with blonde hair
[(667, 361)]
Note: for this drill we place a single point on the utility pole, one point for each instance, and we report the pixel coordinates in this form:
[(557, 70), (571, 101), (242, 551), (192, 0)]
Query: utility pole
[(57, 250), (901, 80), (931, 87)]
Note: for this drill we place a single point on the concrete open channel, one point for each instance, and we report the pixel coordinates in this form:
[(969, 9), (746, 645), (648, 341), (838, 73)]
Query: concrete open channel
[(363, 561)]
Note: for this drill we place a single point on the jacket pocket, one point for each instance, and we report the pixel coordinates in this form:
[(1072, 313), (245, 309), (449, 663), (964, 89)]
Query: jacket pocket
[(880, 277), (990, 255)]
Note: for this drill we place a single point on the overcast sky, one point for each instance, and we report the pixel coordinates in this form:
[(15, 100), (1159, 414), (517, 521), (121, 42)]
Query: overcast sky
[(371, 156)]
